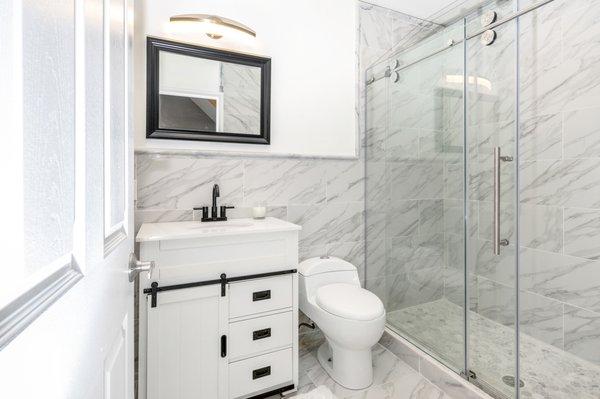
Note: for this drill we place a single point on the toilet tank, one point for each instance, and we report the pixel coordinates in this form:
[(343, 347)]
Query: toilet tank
[(317, 272)]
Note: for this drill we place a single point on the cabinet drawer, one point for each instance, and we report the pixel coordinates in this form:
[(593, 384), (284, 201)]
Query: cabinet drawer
[(258, 335), (260, 295), (260, 373)]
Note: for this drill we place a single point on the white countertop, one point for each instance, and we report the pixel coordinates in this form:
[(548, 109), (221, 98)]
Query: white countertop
[(197, 229)]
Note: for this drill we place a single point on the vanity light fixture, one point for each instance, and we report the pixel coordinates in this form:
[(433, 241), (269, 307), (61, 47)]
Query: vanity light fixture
[(214, 26)]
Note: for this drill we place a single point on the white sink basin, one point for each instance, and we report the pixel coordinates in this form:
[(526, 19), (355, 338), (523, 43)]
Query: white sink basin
[(174, 230)]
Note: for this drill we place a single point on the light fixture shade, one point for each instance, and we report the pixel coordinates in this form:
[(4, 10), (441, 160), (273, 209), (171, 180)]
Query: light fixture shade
[(216, 27)]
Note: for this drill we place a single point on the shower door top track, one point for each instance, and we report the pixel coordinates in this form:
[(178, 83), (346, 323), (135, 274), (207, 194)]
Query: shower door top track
[(453, 43)]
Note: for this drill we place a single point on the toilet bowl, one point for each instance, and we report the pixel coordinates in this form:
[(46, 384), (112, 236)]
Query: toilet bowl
[(351, 318)]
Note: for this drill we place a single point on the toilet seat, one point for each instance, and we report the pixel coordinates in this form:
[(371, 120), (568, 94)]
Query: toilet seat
[(349, 302)]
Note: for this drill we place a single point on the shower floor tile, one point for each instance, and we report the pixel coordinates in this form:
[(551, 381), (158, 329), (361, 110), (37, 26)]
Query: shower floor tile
[(548, 372)]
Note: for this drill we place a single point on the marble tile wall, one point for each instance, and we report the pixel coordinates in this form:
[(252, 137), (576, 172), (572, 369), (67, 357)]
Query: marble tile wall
[(324, 196), (560, 179)]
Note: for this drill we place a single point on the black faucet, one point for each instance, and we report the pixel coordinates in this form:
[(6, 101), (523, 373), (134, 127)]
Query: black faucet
[(216, 194), (214, 217)]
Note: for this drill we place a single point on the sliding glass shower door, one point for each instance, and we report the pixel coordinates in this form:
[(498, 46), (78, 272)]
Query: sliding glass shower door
[(415, 197), (491, 181), (441, 160), (483, 196)]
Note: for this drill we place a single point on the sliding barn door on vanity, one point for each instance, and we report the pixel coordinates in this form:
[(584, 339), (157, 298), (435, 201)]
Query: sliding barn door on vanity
[(186, 358)]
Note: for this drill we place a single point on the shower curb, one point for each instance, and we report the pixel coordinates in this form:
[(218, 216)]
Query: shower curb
[(444, 378)]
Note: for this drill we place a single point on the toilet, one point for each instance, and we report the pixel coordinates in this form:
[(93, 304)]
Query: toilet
[(351, 318)]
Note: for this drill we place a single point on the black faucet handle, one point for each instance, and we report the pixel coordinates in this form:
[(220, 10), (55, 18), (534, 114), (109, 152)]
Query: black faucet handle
[(204, 209), (224, 211)]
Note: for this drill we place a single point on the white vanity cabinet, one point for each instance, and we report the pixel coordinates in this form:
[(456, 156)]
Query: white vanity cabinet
[(218, 317)]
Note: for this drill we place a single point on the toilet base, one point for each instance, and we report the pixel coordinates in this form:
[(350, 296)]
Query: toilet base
[(352, 369)]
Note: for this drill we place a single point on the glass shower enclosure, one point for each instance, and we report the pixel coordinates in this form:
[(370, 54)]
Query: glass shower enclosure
[(482, 156)]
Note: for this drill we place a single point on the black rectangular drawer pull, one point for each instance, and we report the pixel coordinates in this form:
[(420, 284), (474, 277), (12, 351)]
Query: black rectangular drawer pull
[(261, 295), (260, 373), (261, 334)]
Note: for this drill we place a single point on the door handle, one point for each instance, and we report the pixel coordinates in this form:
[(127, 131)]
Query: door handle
[(136, 267), (496, 240)]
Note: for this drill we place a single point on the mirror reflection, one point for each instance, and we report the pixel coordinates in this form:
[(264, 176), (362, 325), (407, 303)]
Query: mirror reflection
[(198, 94)]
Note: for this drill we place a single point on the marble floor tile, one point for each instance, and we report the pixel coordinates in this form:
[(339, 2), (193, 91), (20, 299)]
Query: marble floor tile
[(392, 378), (408, 386)]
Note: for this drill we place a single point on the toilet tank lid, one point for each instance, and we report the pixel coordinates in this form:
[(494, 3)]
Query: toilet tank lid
[(313, 266)]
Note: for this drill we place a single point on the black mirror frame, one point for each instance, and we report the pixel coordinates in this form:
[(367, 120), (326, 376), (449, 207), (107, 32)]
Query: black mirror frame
[(153, 48)]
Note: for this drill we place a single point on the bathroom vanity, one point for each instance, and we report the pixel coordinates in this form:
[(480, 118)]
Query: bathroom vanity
[(218, 315)]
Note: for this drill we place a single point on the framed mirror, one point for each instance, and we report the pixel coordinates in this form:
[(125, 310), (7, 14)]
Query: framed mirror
[(200, 93)]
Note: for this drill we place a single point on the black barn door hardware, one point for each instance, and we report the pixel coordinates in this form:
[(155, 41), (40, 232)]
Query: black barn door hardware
[(223, 280)]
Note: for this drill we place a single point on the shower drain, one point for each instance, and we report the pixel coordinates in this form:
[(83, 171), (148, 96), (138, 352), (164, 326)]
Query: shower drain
[(510, 381)]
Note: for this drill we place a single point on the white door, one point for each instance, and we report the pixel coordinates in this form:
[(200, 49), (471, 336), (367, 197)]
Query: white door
[(66, 304)]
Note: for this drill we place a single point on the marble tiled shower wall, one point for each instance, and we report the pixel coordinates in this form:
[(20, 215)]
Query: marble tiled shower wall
[(414, 158), (421, 184), (383, 32), (560, 176)]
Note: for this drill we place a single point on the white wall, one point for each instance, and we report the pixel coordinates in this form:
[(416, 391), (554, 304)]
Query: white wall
[(312, 44)]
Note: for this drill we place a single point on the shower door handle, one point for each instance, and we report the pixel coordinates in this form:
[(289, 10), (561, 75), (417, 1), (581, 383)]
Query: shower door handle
[(497, 241)]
